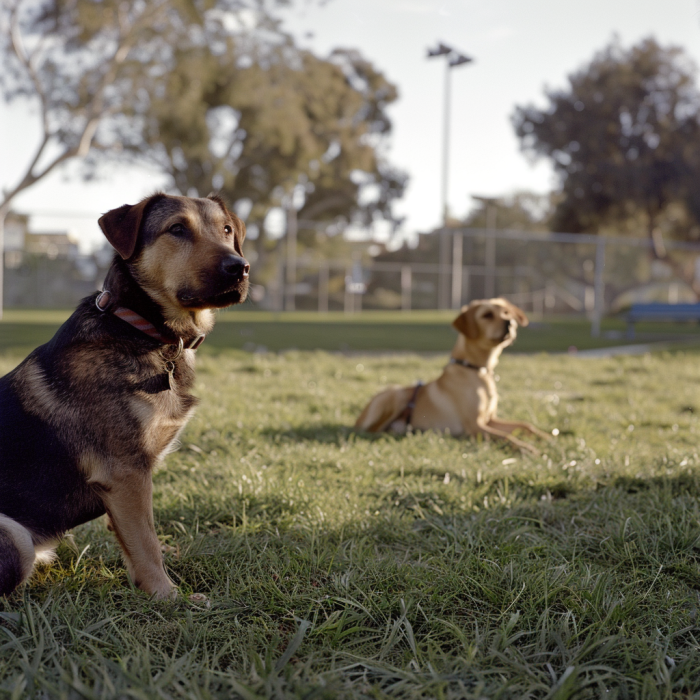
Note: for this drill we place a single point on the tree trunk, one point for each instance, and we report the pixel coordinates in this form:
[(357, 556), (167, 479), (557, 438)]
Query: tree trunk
[(660, 252)]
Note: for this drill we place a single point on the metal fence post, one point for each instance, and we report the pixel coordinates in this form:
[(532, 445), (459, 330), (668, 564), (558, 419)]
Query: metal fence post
[(406, 287), (538, 303), (323, 287), (490, 264), (279, 290), (291, 255), (348, 302), (599, 286), (550, 295), (442, 270), (457, 246)]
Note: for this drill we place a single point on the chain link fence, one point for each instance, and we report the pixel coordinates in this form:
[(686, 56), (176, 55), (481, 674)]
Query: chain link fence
[(556, 273)]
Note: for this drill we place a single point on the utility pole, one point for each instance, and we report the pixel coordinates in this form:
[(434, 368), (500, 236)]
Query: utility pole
[(454, 59), (290, 301), (457, 258), (599, 286)]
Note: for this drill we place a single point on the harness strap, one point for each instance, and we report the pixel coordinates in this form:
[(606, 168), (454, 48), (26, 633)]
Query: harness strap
[(407, 412)]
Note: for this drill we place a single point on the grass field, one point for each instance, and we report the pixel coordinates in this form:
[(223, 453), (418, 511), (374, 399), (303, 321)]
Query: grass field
[(420, 331), (339, 565)]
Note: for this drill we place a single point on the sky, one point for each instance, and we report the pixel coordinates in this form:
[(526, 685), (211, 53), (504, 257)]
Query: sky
[(519, 49)]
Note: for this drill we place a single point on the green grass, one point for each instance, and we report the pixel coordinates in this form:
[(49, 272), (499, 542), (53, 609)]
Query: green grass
[(341, 565), (417, 331)]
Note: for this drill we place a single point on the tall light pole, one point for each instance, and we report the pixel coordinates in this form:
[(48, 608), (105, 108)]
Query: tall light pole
[(453, 59)]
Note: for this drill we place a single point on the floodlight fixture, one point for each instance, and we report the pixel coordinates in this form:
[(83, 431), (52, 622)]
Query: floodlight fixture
[(459, 60), (441, 50)]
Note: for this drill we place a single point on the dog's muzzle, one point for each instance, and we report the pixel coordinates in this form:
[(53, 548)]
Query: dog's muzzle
[(509, 329)]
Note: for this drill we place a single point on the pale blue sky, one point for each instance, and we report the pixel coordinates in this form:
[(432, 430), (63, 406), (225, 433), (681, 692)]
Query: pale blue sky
[(519, 47)]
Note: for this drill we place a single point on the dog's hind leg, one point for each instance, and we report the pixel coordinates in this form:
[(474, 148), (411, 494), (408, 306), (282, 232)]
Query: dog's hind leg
[(375, 416), (508, 426), (502, 435), (383, 410), (16, 554)]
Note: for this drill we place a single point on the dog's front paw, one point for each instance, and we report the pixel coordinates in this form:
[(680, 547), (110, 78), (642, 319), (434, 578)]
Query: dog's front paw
[(165, 593), (158, 587)]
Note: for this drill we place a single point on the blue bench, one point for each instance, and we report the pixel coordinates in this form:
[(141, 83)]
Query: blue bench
[(661, 312)]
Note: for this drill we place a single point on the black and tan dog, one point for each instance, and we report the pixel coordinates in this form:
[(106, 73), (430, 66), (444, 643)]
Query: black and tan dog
[(86, 417)]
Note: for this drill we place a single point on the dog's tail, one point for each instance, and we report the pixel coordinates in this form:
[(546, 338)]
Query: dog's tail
[(16, 554)]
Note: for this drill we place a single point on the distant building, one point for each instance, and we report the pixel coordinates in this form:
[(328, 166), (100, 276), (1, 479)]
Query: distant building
[(47, 270), (52, 245), (16, 226)]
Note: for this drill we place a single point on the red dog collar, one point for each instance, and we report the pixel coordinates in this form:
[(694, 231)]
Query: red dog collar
[(141, 324)]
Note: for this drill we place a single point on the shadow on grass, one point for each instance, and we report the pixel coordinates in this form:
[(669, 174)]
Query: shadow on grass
[(330, 433), (327, 433), (680, 485), (411, 585), (337, 433)]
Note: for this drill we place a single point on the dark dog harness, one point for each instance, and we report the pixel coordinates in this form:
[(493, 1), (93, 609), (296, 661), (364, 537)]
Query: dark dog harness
[(407, 414)]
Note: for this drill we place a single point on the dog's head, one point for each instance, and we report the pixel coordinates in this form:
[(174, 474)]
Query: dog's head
[(184, 252), (490, 322)]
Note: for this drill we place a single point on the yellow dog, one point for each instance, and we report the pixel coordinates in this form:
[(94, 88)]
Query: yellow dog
[(463, 400)]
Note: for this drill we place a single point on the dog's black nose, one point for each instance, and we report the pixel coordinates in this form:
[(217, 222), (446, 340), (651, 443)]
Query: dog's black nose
[(235, 266)]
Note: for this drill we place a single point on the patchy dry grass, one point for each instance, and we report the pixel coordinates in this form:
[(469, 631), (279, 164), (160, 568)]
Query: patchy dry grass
[(341, 565)]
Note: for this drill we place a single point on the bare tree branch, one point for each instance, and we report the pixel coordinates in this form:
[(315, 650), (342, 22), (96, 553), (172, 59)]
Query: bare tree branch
[(23, 58)]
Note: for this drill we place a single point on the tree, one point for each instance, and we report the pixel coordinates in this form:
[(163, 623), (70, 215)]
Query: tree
[(92, 64), (212, 91), (624, 138), (257, 122), (520, 211)]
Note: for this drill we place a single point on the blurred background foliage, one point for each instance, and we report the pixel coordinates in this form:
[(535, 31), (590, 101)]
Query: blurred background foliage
[(211, 92), (219, 97)]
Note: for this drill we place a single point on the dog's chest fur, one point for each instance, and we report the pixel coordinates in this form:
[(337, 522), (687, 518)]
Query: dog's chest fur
[(110, 403), (163, 414)]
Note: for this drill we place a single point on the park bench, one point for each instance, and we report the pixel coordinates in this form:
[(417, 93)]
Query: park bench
[(661, 312)]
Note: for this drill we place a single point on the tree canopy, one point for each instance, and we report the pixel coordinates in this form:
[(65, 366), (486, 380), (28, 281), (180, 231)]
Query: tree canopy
[(624, 138), (256, 122), (520, 211), (91, 64), (213, 92)]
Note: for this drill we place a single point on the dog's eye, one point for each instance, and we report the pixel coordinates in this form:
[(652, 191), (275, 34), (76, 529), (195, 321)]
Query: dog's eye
[(488, 314), (228, 230), (177, 230)]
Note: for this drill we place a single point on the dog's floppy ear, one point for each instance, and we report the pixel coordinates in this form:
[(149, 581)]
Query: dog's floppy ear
[(240, 225), (465, 323), (518, 314), (121, 226)]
